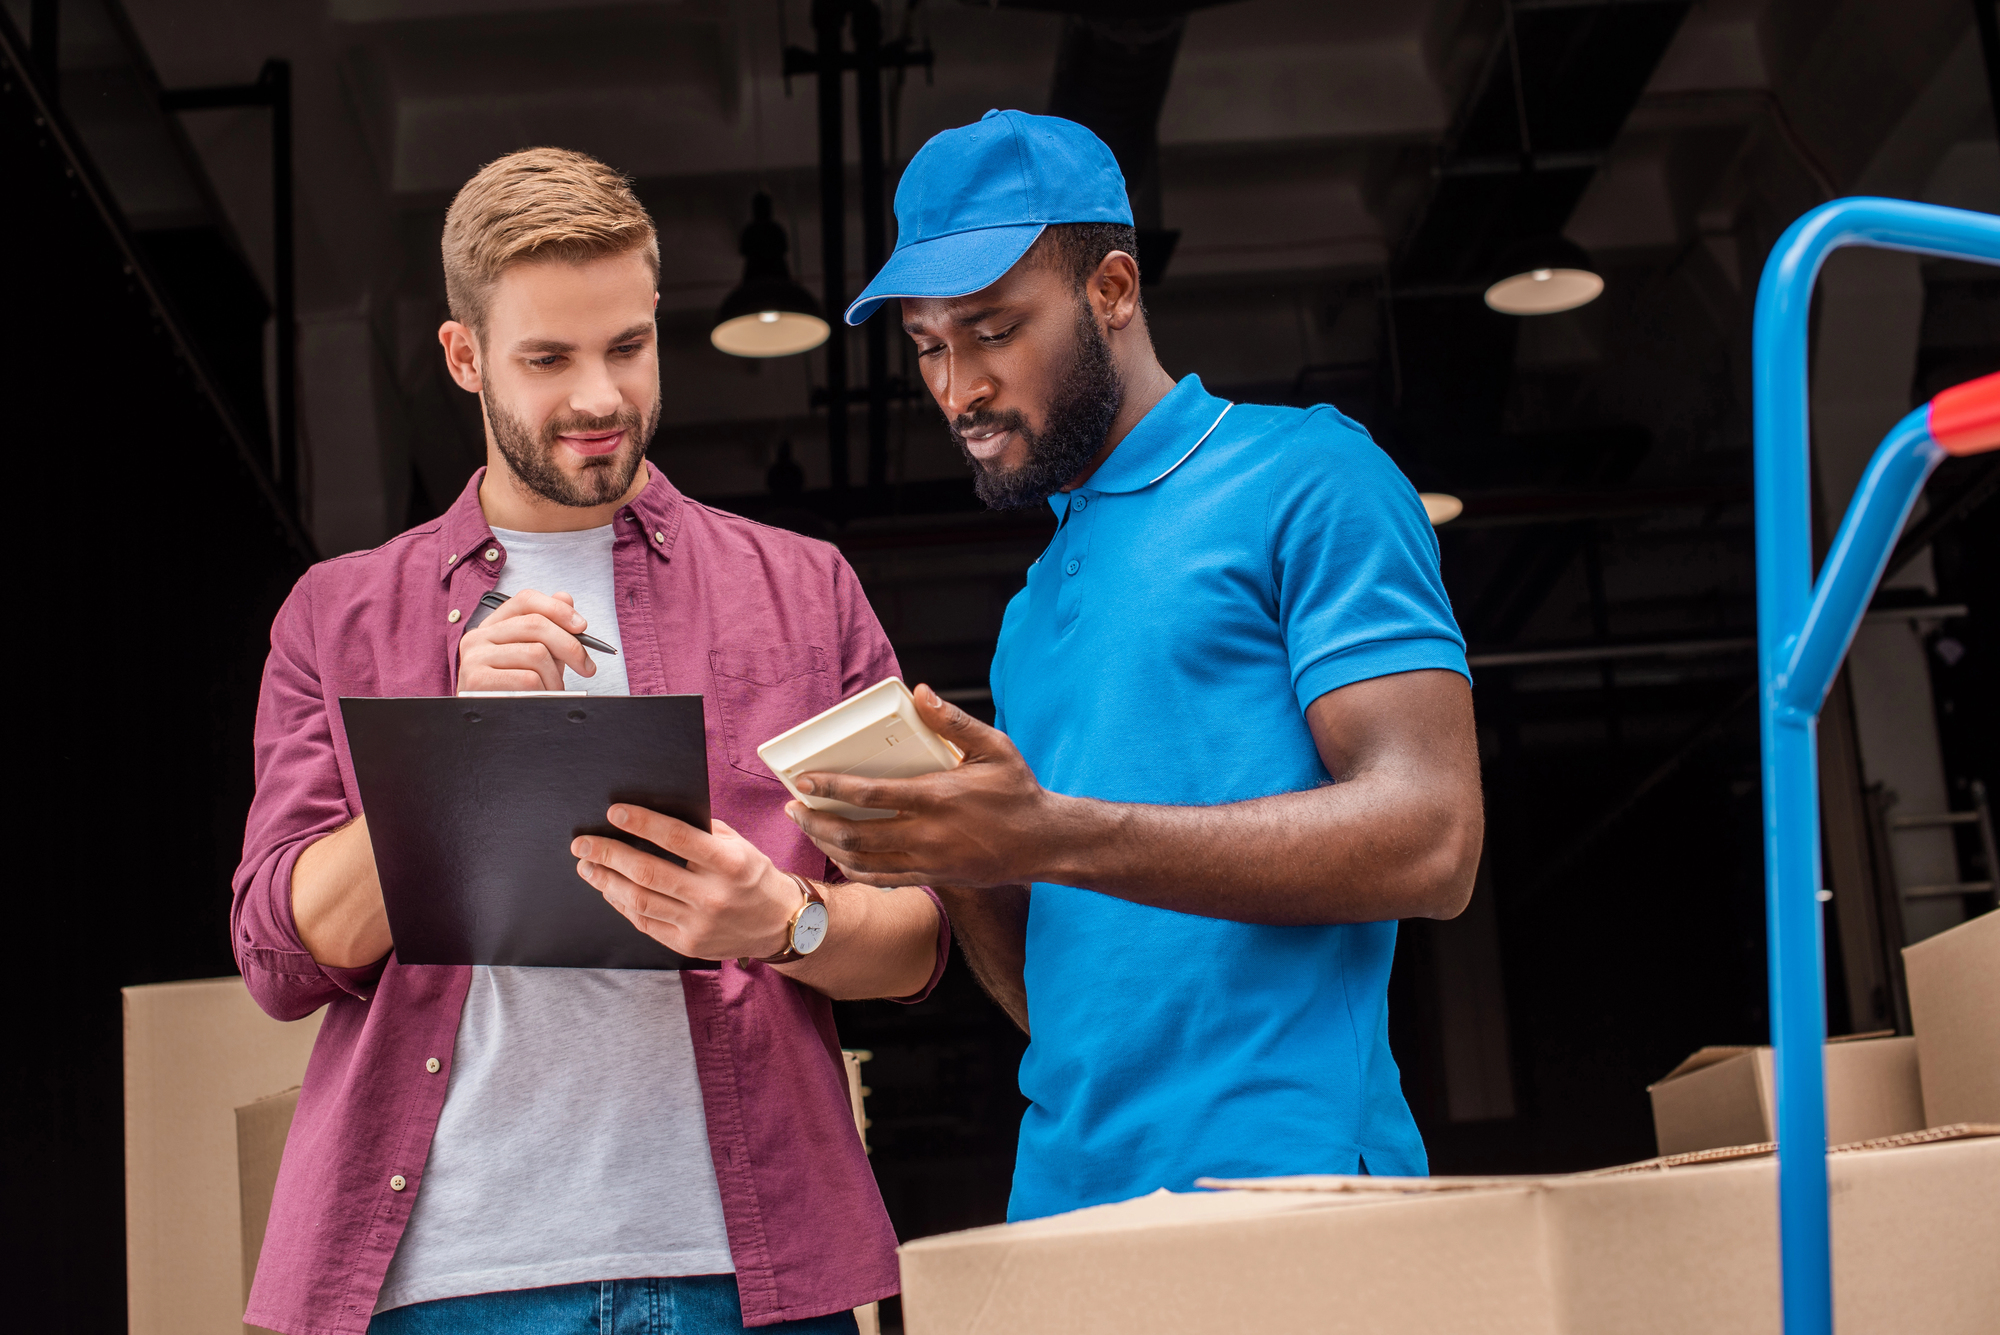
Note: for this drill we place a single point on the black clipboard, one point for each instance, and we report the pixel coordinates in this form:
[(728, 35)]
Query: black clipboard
[(472, 803)]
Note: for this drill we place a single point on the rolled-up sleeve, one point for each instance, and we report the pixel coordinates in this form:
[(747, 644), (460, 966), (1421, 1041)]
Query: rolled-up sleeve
[(299, 799)]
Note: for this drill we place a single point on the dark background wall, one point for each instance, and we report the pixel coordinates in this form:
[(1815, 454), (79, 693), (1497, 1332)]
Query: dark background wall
[(149, 554)]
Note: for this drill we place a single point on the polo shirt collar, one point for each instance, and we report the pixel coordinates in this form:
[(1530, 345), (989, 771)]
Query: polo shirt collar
[(1164, 438), (464, 531)]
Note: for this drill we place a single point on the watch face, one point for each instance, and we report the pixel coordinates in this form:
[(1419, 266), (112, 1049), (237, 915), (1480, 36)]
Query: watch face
[(809, 929)]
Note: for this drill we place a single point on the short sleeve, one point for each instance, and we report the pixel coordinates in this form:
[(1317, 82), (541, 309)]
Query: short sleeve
[(1354, 564)]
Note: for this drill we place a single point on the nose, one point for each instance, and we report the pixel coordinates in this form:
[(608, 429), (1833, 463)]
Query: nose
[(595, 393), (958, 387)]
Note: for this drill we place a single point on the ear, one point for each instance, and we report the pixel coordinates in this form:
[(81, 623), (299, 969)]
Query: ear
[(461, 355), (1114, 289)]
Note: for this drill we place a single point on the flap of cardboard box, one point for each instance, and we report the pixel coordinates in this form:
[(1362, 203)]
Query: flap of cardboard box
[(1955, 1007), (1700, 1058)]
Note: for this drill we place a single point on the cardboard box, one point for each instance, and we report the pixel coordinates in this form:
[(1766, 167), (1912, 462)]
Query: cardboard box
[(261, 1128), (1725, 1096), (1662, 1249), (194, 1053), (1954, 980)]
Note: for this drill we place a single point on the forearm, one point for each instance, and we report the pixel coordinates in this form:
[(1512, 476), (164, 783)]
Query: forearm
[(991, 927), (879, 943), (337, 900), (1366, 850), (1396, 836)]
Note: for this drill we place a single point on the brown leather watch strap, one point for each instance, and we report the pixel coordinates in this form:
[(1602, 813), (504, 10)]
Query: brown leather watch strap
[(810, 895)]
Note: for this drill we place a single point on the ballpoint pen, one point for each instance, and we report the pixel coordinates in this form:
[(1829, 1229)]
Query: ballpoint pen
[(495, 598)]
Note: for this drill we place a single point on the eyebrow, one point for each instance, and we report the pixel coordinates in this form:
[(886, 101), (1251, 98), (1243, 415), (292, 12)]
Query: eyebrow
[(551, 345), (914, 327)]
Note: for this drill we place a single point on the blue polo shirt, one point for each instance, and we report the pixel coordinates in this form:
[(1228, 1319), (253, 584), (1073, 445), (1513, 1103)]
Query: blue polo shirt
[(1225, 567)]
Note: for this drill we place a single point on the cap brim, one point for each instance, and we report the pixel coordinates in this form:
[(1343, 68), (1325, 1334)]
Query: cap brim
[(947, 266)]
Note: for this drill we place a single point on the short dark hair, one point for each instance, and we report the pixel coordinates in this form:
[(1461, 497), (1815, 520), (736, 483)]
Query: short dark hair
[(1076, 249)]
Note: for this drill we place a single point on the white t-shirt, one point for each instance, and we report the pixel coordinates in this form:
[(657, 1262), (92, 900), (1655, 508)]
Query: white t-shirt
[(572, 1146)]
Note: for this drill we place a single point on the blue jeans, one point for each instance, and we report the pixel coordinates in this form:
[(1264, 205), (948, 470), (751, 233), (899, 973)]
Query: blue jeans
[(693, 1305)]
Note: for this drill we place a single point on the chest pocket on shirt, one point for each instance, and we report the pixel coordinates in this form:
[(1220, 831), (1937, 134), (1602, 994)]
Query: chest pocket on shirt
[(759, 693)]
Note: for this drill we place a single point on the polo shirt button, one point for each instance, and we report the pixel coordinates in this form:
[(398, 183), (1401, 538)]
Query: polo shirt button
[(397, 1183), (1081, 502), (493, 553), (1072, 567), (452, 616), (431, 1065)]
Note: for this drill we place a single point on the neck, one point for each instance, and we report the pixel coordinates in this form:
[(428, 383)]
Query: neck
[(1146, 382), (509, 504)]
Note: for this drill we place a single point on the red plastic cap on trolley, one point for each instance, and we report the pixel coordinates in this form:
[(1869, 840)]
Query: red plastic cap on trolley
[(1965, 419)]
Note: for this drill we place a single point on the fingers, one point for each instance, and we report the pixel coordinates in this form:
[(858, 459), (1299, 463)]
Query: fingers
[(965, 732), (498, 680), (559, 608), (884, 881), (876, 794), (642, 869), (833, 832), (884, 868), (659, 916), (676, 836), (859, 846), (533, 628), (535, 659)]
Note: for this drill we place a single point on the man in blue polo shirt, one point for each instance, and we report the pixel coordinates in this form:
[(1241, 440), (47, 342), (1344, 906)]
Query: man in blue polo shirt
[(1233, 737)]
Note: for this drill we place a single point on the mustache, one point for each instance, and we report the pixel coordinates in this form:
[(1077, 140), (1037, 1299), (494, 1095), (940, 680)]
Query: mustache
[(1009, 419), (555, 428)]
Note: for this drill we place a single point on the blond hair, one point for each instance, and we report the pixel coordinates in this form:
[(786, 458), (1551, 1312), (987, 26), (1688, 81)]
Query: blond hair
[(537, 204)]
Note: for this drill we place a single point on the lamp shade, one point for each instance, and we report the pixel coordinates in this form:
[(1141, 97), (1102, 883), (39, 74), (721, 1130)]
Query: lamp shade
[(1441, 507), (769, 314), (1544, 275)]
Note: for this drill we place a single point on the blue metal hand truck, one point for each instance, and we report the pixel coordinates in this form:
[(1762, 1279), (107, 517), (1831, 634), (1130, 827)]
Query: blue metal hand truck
[(1804, 628)]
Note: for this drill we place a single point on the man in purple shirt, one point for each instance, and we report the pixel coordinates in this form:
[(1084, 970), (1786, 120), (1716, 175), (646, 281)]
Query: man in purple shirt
[(508, 1149)]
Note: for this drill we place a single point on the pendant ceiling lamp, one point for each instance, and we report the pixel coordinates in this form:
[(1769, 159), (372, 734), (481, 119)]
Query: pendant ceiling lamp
[(1441, 507), (769, 314), (1543, 275)]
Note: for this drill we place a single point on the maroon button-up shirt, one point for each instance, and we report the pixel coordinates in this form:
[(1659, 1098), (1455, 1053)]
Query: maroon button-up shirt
[(770, 628)]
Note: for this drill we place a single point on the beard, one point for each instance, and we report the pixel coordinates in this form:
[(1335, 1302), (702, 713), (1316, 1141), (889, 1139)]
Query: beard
[(1079, 418), (532, 454)]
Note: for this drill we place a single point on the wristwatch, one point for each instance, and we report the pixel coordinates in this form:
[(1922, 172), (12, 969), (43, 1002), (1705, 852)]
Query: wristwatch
[(807, 929)]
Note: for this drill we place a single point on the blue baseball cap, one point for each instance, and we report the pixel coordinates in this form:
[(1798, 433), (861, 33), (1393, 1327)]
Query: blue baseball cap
[(974, 199)]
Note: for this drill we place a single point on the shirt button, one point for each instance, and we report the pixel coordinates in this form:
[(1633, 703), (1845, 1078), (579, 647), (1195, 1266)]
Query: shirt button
[(658, 536), (449, 559), (1072, 567), (431, 1065), (452, 616), (397, 1183), (1081, 502), (493, 553)]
